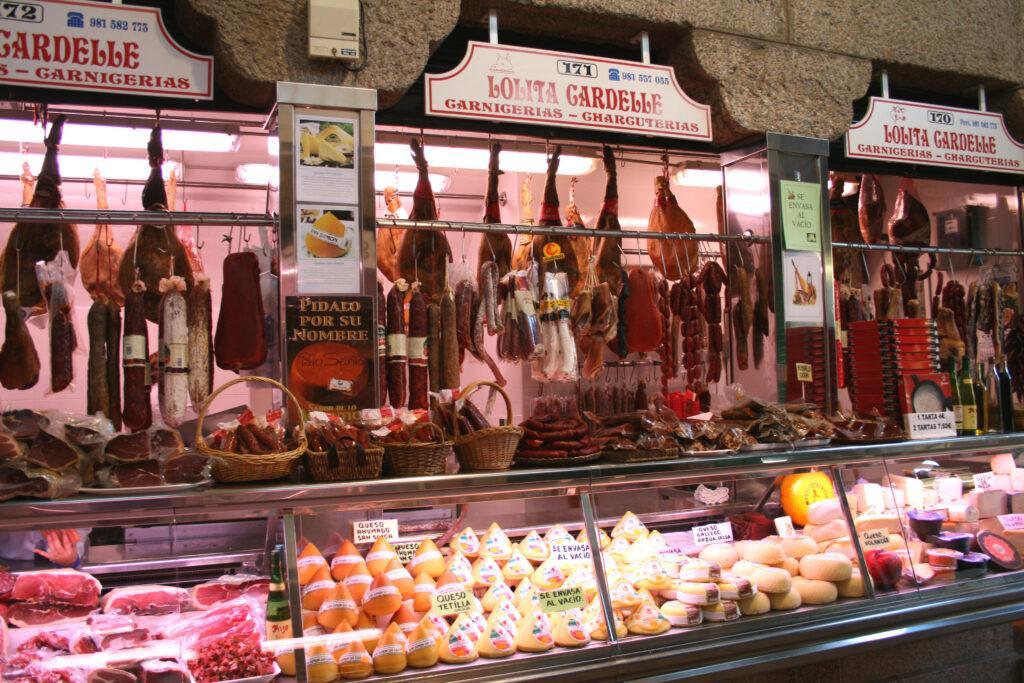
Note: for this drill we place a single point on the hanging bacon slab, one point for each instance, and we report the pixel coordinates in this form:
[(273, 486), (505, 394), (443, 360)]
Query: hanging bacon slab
[(31, 242), (609, 249), (102, 255), (423, 255), (155, 252), (241, 339), (569, 263), (871, 210), (643, 319), (493, 246), (672, 258)]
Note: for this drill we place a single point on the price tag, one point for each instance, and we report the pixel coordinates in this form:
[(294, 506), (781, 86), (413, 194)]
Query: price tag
[(930, 425), (784, 526), (405, 551), (452, 602), (1011, 522), (570, 553), (712, 533), (562, 599), (804, 372), (369, 530), (984, 481), (875, 538)]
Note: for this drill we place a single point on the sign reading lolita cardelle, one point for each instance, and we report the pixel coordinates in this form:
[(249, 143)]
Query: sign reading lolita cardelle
[(97, 47), (917, 133), (508, 83)]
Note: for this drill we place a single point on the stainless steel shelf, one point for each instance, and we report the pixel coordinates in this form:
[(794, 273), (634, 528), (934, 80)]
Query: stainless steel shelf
[(87, 216), (854, 246), (255, 500)]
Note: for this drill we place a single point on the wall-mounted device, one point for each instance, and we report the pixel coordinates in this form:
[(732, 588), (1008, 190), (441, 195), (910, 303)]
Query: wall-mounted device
[(334, 29)]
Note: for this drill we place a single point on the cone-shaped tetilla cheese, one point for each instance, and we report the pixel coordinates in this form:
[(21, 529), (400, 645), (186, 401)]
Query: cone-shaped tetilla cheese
[(583, 577), (495, 594), (405, 619), (285, 656), (438, 621), (389, 655), (309, 564), (624, 596), (486, 572), (464, 623), (371, 633), (318, 589), (337, 607), (548, 575), (448, 582), (496, 544), (570, 631), (354, 661), (524, 588), (652, 576), (462, 569), (639, 551), (344, 560), (657, 541), (557, 534), (516, 569), (533, 548), (629, 526), (421, 648), (533, 633), (337, 646), (427, 559), (310, 626), (618, 547), (379, 556), (399, 576), (421, 592), (358, 581), (497, 641), (320, 664), (603, 537), (528, 601), (382, 597), (457, 647), (507, 614), (647, 619), (467, 543)]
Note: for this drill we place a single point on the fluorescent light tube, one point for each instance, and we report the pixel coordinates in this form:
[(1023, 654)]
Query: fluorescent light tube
[(259, 174), (395, 154), (407, 181), (82, 167), (123, 137)]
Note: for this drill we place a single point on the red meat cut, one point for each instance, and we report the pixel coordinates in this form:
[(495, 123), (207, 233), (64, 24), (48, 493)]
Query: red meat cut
[(152, 599), (111, 676), (22, 614), (643, 320), (164, 671), (57, 586), (234, 617), (215, 593), (128, 448)]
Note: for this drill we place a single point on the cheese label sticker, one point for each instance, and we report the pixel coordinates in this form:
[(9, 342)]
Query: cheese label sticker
[(784, 526), (983, 481), (571, 553), (562, 599), (1011, 522), (804, 372), (452, 602), (369, 530), (874, 538), (712, 533), (407, 552)]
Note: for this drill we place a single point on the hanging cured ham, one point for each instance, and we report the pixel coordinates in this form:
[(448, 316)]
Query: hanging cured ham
[(155, 252), (672, 258), (609, 249), (19, 362), (910, 223), (32, 242), (102, 255), (493, 246), (389, 238), (871, 210), (423, 255)]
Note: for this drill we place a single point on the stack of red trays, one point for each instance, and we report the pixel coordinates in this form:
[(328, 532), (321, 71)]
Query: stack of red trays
[(881, 352), (806, 345)]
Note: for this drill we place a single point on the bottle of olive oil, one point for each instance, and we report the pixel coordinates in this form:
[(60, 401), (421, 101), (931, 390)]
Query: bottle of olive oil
[(279, 613), (970, 406), (954, 387), (981, 397)]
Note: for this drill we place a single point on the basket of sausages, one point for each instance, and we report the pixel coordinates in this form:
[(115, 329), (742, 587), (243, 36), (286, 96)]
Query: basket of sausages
[(419, 449), (478, 445), (252, 448), (339, 451)]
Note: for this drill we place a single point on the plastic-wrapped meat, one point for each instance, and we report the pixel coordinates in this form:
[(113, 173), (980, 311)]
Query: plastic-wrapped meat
[(871, 210), (52, 453), (131, 475), (196, 626), (148, 599), (10, 449), (23, 614), (18, 480), (111, 676), (61, 586), (164, 671), (910, 223), (213, 594), (63, 341), (24, 424), (186, 468), (128, 448)]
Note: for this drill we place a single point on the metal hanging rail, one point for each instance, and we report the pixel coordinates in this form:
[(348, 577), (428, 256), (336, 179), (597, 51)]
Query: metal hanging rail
[(88, 216), (927, 250), (507, 228)]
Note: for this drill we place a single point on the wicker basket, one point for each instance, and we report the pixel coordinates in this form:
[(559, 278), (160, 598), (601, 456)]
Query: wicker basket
[(229, 467), (416, 459), (351, 466), (491, 448)]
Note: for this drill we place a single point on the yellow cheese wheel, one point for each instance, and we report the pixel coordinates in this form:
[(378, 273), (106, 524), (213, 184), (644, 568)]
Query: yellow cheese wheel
[(327, 239), (798, 491)]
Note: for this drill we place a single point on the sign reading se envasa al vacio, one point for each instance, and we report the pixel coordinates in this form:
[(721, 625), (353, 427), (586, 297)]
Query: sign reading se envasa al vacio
[(509, 83), (96, 46), (918, 133)]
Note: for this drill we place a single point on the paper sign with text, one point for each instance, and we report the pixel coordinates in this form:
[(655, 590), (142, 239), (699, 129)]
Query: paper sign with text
[(712, 533), (405, 551), (804, 372), (369, 530), (561, 599), (875, 538), (570, 553), (930, 425), (452, 602), (983, 481), (784, 526), (1012, 522)]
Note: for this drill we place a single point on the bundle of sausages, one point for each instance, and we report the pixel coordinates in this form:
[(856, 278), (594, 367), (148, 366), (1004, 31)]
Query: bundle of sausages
[(250, 434), (551, 436)]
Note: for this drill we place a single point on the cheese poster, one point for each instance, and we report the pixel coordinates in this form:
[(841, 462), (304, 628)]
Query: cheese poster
[(332, 353), (328, 250)]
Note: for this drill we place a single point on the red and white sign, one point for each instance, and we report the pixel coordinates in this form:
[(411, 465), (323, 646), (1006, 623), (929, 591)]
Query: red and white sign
[(916, 133), (97, 47), (524, 85)]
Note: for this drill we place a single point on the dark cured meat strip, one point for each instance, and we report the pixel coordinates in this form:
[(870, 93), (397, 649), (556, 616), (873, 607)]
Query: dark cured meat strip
[(52, 453), (419, 373), (449, 342), (382, 343), (396, 346), (241, 340), (137, 413), (62, 338), (113, 369), (434, 365), (97, 396)]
